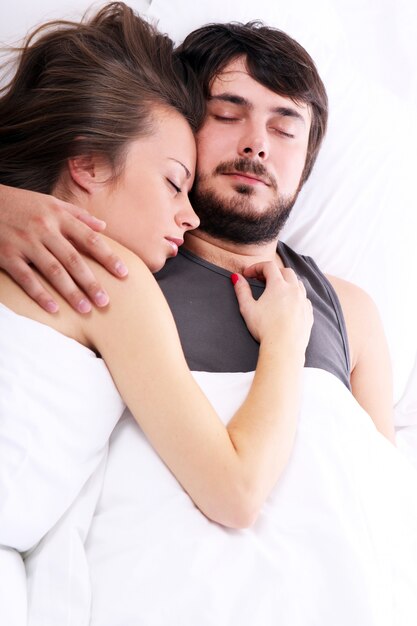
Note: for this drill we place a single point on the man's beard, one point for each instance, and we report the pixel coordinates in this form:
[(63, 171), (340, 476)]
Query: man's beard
[(235, 219)]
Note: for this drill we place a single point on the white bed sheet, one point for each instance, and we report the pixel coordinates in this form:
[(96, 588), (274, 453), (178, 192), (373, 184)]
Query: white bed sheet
[(336, 542)]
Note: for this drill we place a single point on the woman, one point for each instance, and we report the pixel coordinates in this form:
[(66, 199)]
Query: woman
[(100, 114)]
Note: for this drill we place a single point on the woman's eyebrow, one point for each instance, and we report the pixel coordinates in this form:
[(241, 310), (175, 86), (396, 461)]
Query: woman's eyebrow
[(187, 171), (284, 111)]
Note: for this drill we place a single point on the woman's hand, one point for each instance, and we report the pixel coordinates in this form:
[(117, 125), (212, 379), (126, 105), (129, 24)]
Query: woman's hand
[(40, 230), (282, 313)]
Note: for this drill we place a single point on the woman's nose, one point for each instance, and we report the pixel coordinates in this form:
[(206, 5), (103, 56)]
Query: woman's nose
[(187, 217)]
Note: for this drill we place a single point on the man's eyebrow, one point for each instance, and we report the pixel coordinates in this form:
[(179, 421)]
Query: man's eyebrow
[(187, 171), (233, 99), (285, 111)]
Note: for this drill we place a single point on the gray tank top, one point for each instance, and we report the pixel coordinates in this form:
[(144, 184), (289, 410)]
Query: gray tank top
[(213, 334)]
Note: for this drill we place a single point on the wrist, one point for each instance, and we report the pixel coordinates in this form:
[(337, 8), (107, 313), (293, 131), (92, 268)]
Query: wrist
[(282, 350)]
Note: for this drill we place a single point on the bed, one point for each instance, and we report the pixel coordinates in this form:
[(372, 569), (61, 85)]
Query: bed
[(357, 216)]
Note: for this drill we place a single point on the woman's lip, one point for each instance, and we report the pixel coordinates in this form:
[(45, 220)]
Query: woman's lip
[(174, 243)]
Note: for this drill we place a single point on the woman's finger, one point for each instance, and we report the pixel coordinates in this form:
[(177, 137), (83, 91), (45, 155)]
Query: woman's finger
[(242, 290), (55, 272), (97, 248), (75, 265), (289, 275), (66, 208), (28, 280), (263, 270)]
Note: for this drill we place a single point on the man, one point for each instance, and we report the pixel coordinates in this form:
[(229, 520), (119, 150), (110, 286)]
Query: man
[(266, 117)]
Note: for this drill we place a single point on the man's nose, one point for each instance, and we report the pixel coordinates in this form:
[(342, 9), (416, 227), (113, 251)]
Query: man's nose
[(254, 143)]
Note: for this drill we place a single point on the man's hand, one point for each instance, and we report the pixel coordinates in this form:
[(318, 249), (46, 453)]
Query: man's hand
[(47, 233)]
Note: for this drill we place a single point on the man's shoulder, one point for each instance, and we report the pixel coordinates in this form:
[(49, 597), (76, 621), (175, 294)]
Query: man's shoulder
[(360, 313), (349, 293), (357, 305)]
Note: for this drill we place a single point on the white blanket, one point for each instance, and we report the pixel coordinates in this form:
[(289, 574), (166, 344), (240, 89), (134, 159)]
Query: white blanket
[(58, 407), (336, 542)]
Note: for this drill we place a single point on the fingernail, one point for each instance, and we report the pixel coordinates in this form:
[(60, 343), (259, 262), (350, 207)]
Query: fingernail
[(84, 306), (234, 278), (101, 298), (51, 306), (121, 268)]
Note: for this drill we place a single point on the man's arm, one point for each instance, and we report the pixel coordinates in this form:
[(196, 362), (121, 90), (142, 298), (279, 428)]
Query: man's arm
[(371, 374), (40, 230)]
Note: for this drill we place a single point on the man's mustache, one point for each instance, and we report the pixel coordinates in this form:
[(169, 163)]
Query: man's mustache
[(246, 166)]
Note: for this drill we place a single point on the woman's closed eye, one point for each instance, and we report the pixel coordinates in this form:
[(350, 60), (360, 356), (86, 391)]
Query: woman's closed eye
[(174, 186)]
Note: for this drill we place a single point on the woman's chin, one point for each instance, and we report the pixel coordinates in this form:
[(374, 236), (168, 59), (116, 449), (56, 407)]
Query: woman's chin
[(157, 264)]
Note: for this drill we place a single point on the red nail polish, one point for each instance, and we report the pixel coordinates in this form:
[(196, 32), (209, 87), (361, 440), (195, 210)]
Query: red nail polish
[(234, 278)]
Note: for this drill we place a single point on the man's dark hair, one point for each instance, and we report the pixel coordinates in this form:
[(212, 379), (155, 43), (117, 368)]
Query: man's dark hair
[(273, 59)]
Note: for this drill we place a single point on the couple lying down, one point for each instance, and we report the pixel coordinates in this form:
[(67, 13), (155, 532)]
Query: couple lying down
[(262, 485)]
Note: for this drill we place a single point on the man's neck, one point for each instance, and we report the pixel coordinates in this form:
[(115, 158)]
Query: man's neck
[(229, 256)]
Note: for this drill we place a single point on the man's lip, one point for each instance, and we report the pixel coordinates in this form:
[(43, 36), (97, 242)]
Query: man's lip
[(252, 177)]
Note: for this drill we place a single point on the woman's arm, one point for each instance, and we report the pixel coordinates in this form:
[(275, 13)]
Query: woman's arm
[(38, 230), (228, 472)]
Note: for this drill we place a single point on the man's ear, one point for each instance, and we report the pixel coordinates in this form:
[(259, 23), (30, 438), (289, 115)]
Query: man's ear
[(89, 171)]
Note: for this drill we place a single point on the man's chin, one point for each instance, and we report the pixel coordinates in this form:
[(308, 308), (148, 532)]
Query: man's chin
[(239, 219), (251, 197), (240, 200)]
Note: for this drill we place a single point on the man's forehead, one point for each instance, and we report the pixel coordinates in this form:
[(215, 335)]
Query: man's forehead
[(230, 72), (235, 85)]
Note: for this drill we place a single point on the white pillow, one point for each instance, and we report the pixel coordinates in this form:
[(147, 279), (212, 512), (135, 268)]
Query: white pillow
[(357, 214)]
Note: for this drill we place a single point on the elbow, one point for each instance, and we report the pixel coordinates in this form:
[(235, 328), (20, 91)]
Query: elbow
[(243, 518), (238, 511)]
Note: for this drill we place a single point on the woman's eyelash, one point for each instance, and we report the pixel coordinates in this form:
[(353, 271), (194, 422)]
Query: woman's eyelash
[(177, 189)]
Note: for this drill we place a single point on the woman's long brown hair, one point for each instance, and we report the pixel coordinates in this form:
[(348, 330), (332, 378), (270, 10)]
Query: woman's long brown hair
[(88, 87)]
